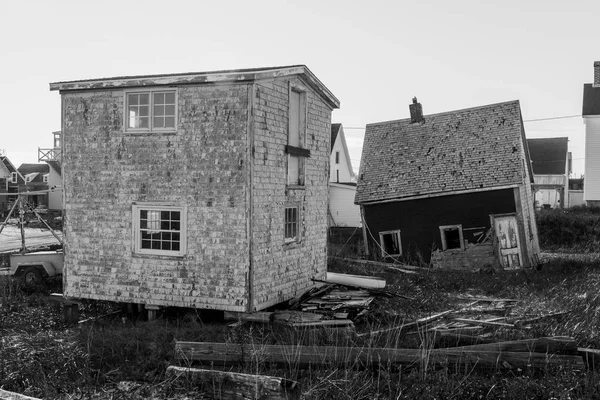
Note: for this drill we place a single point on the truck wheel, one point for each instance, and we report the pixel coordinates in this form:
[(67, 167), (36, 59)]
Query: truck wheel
[(32, 276)]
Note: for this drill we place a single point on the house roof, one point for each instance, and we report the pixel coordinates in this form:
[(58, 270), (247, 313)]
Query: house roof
[(548, 155), (34, 172), (55, 166), (196, 78), (473, 149), (335, 128), (591, 100)]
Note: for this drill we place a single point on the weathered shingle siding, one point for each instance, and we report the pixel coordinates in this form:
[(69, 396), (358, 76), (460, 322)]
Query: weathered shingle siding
[(281, 271), (462, 150), (202, 166)]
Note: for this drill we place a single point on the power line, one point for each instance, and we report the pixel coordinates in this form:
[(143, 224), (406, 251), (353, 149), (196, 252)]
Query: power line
[(526, 120)]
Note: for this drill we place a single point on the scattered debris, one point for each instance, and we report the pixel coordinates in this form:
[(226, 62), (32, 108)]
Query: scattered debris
[(232, 385), (365, 282), (6, 395)]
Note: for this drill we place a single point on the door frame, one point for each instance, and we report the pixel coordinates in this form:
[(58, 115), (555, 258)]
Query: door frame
[(497, 242)]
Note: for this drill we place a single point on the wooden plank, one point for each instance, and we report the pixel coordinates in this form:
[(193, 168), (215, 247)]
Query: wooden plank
[(410, 324), (488, 323), (547, 345), (355, 280), (231, 385), (591, 357), (261, 317), (307, 356), (323, 323), (6, 395)]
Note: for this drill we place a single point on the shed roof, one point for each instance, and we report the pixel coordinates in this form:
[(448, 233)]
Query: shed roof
[(196, 78), (591, 100), (548, 155), (478, 148)]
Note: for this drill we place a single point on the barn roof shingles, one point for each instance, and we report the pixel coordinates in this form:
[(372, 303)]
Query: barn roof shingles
[(470, 149)]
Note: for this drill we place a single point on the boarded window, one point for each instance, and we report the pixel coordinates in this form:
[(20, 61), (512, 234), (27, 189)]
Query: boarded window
[(296, 131), (159, 230), (452, 237), (391, 244)]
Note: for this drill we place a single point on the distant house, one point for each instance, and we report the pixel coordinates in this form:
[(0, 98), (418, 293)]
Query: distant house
[(591, 119), (550, 162), (35, 181), (205, 190), (453, 189), (342, 182), (9, 185)]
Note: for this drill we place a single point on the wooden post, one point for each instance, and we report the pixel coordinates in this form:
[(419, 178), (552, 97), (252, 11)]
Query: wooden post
[(230, 385), (152, 312), (71, 313)]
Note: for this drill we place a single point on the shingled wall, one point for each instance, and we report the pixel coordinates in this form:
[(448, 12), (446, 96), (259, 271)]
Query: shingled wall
[(281, 271), (202, 166)]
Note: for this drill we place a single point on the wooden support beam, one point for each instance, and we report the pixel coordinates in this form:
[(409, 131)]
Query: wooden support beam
[(230, 385), (409, 325), (548, 345), (6, 395), (306, 356)]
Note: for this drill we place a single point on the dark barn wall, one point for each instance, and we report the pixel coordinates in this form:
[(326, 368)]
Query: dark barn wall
[(419, 220)]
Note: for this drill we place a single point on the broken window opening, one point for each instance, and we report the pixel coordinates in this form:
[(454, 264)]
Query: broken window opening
[(452, 237), (391, 244)]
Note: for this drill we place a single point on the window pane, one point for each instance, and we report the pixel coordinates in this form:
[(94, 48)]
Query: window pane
[(175, 226), (143, 111), (159, 98), (175, 246), (143, 122), (159, 122), (146, 244), (159, 111), (156, 245), (170, 98), (175, 236), (170, 110), (170, 122), (144, 99)]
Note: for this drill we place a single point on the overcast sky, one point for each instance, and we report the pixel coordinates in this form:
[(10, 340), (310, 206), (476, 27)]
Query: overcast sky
[(373, 55)]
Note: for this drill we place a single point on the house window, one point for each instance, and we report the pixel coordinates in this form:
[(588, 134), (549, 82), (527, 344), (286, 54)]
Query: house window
[(337, 157), (452, 237), (45, 178), (159, 229), (13, 177), (291, 224), (391, 244), (296, 132), (151, 111)]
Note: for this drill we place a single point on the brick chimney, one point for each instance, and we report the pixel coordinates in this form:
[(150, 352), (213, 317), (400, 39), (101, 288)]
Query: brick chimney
[(596, 74), (416, 112)]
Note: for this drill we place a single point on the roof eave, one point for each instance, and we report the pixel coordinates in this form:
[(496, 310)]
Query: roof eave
[(200, 78)]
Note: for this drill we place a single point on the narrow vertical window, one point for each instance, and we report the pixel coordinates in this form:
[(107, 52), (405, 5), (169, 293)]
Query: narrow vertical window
[(296, 154), (291, 224), (337, 157)]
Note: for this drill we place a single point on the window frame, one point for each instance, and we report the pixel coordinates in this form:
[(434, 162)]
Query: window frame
[(151, 92), (445, 228), (297, 238), (397, 232), (14, 177), (159, 206)]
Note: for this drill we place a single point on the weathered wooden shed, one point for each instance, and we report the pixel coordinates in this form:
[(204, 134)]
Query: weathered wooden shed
[(452, 188), (204, 190)]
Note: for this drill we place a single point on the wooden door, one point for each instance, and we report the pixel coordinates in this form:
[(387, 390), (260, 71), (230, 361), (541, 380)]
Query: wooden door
[(507, 239)]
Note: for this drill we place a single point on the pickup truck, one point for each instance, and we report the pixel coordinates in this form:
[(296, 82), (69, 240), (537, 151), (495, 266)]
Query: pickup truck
[(33, 267)]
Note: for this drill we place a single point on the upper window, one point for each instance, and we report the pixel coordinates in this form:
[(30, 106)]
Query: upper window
[(337, 157), (291, 224), (45, 178), (151, 111), (13, 177), (452, 237), (159, 229), (391, 244)]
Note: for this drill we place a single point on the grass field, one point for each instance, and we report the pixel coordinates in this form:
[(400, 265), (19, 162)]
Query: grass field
[(40, 356)]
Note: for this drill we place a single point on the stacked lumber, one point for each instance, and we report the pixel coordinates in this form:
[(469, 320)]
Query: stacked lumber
[(519, 355)]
